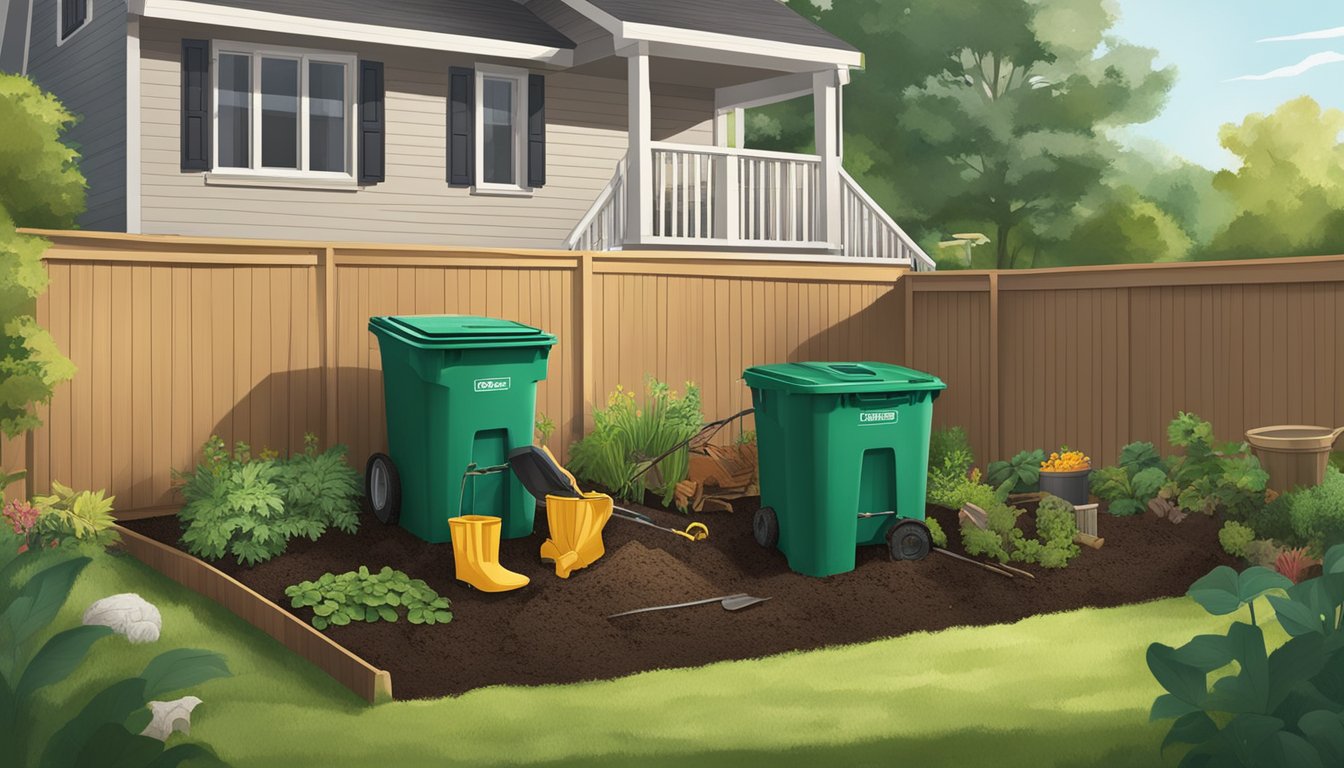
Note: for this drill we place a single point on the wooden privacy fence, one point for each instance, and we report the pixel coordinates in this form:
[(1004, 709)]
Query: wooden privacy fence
[(177, 339), (1099, 357)]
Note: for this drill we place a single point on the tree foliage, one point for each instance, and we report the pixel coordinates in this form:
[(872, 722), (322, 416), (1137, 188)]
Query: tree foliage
[(1288, 194), (40, 186)]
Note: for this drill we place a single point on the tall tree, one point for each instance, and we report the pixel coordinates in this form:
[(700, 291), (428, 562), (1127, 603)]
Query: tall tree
[(1288, 193), (988, 115), (40, 186)]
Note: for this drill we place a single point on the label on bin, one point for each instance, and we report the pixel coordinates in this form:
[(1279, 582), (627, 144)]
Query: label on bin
[(493, 385), (877, 417)]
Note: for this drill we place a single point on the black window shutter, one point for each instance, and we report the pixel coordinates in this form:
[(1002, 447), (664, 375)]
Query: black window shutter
[(73, 15), (461, 127), (536, 130), (196, 152), (372, 131)]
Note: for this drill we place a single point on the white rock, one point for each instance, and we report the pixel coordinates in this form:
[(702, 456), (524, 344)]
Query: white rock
[(127, 614), (170, 716)]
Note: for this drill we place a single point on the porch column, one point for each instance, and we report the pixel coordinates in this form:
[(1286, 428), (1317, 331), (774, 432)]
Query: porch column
[(826, 114), (639, 157)]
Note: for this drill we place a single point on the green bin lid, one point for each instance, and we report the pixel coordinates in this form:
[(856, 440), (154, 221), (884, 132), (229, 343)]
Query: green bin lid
[(455, 331), (830, 378)]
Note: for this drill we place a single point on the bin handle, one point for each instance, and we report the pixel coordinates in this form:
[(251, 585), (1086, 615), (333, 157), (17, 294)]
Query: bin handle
[(852, 370), (877, 397)]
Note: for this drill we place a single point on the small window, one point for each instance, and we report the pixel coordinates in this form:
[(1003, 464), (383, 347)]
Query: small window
[(71, 16), (501, 127), (284, 112)]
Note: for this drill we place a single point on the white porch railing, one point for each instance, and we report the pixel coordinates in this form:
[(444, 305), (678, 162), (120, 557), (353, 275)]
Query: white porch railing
[(734, 195), (602, 228), (716, 196), (866, 230)]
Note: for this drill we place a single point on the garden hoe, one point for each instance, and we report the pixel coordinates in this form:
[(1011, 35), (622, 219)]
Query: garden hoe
[(729, 602)]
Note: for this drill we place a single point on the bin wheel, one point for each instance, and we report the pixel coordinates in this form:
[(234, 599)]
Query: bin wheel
[(383, 486), (909, 540), (765, 527)]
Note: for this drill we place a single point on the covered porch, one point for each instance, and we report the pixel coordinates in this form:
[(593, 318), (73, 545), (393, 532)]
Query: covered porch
[(723, 196)]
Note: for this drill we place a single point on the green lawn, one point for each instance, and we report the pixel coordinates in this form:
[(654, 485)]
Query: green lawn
[(1060, 690)]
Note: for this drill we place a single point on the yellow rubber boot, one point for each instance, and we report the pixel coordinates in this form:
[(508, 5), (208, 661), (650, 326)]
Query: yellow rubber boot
[(576, 531), (476, 554)]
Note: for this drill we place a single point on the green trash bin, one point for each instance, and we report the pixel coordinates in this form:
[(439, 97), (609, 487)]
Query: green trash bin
[(844, 453), (460, 394)]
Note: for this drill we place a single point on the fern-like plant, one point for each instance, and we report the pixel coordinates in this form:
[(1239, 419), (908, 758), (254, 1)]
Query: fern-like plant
[(67, 514), (251, 508)]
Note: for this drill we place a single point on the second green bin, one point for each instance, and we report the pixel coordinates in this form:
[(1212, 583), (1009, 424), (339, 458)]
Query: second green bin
[(460, 394), (844, 451)]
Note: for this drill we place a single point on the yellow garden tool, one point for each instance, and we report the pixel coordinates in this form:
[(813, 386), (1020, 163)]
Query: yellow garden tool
[(544, 478), (476, 554)]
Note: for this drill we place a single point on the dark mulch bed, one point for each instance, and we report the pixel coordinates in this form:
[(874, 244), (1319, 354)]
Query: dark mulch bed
[(555, 631)]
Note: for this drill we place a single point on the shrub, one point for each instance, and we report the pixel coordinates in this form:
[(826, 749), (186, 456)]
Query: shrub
[(251, 508), (627, 436), (1002, 540), (1315, 515), (1128, 487), (1279, 708), (1235, 538), (1206, 478), (370, 597), (105, 730), (1024, 470), (950, 442), (953, 489)]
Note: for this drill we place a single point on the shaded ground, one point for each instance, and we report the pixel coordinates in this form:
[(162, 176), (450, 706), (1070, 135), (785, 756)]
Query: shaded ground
[(555, 631)]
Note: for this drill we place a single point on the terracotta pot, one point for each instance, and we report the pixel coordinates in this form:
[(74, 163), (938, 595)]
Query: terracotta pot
[(1294, 455)]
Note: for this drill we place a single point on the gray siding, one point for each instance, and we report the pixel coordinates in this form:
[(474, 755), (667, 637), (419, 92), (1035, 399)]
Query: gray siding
[(586, 119), (88, 74)]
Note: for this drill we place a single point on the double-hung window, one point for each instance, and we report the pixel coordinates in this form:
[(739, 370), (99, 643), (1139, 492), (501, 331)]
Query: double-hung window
[(501, 128), (284, 112)]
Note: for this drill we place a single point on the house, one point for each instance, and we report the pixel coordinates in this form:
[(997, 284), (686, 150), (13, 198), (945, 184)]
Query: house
[(588, 124)]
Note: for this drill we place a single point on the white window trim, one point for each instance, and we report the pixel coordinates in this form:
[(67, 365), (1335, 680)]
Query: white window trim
[(519, 77), (60, 13), (303, 56)]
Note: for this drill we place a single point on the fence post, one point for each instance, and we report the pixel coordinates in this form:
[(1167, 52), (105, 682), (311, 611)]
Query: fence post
[(908, 321), (587, 302), (327, 301), (995, 427)]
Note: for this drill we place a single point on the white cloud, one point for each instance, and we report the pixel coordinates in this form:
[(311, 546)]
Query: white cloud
[(1311, 62), (1320, 34)]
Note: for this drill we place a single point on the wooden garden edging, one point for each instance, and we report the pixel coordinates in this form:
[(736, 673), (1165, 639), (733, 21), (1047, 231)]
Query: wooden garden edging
[(374, 685)]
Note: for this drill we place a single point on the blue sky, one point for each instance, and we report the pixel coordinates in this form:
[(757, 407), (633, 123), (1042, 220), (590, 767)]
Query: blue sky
[(1211, 42)]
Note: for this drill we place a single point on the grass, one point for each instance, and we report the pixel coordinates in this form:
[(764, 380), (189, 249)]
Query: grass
[(1068, 689)]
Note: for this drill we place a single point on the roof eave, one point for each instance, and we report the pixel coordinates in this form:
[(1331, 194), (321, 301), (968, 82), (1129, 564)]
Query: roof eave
[(207, 13)]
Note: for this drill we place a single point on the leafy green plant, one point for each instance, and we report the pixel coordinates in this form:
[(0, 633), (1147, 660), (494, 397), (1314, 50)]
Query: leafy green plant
[(1128, 487), (950, 442), (320, 489), (69, 515), (545, 428), (337, 600), (1001, 540), (936, 534), (1211, 477), (746, 437), (40, 186), (251, 508), (1235, 538), (1279, 708), (1307, 517), (109, 724), (627, 437), (1024, 470)]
